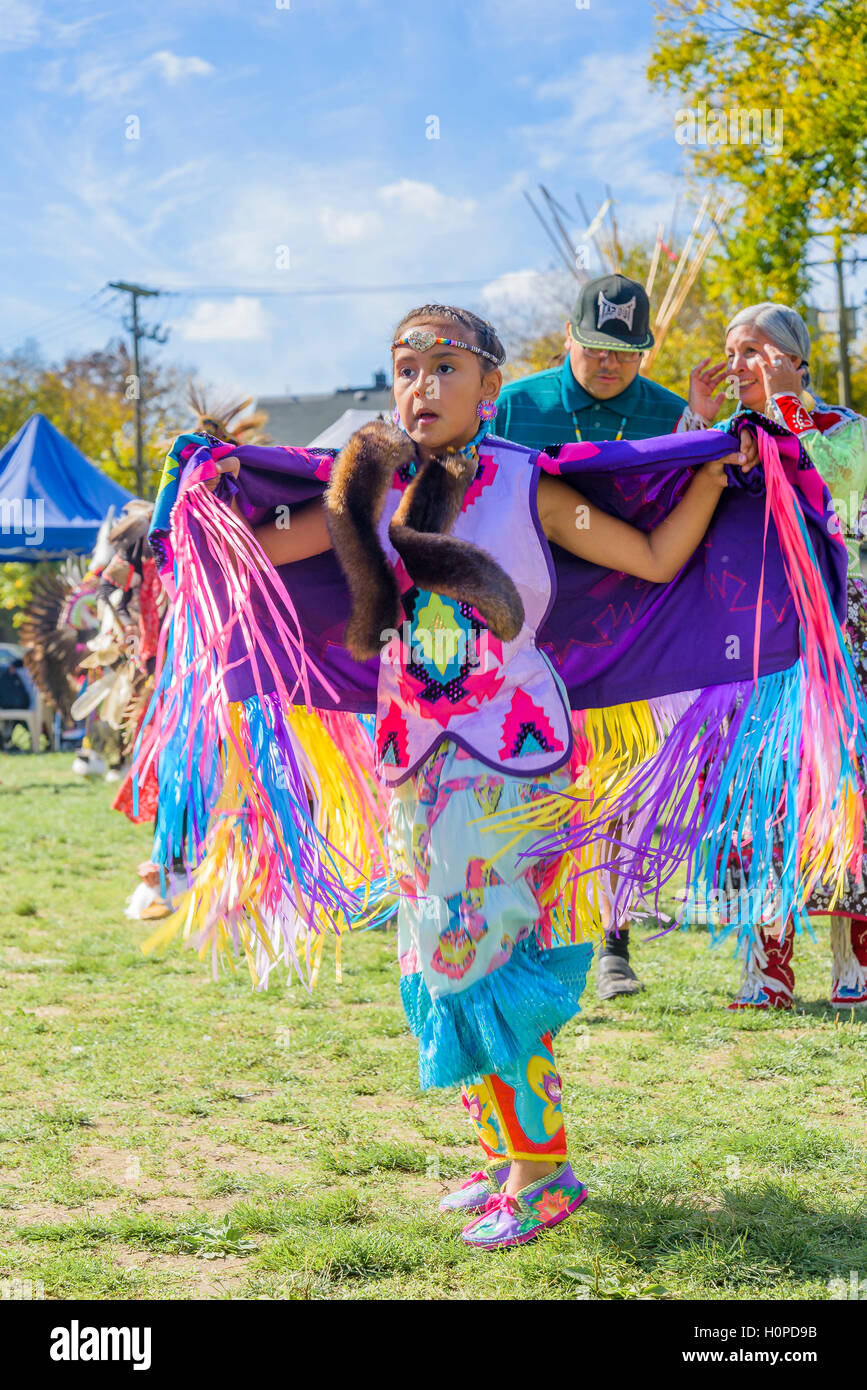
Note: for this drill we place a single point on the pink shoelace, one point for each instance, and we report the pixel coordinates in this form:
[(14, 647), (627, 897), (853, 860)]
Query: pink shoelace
[(474, 1178), (501, 1202)]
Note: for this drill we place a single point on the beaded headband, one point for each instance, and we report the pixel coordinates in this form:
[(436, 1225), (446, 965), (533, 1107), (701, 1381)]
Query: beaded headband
[(422, 339)]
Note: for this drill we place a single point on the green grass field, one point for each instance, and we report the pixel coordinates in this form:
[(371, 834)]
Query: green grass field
[(163, 1136)]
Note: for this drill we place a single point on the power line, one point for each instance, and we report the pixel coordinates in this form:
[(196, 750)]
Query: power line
[(56, 322), (72, 319), (214, 292), (69, 328)]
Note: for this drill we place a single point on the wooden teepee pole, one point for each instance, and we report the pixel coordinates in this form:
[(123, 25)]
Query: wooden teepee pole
[(695, 266), (567, 240), (570, 264), (678, 269), (686, 283), (654, 262), (615, 242), (594, 231)]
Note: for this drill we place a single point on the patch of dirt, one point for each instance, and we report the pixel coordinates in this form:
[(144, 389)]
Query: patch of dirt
[(198, 1279), (195, 1279), (48, 1011), (604, 1034), (380, 1103), (185, 1206), (117, 1166), (56, 1213), (720, 1059), (597, 1077), (12, 955)]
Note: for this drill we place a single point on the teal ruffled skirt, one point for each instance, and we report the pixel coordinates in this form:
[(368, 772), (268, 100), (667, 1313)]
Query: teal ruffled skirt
[(483, 976)]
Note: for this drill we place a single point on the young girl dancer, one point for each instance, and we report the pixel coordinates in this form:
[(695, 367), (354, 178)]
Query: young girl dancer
[(472, 719)]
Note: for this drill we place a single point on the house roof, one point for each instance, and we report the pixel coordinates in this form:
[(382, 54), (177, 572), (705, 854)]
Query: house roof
[(301, 419)]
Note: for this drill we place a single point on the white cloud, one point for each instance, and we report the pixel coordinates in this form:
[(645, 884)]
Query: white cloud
[(240, 246), (176, 69), (181, 174), (515, 288), (525, 302), (324, 216), (425, 202), (242, 319), (20, 23), (103, 80), (341, 228)]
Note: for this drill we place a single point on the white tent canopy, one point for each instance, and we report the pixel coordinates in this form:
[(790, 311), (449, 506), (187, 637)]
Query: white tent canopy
[(336, 435)]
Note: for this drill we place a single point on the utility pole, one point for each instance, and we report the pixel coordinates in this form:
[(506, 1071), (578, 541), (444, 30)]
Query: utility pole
[(156, 335), (844, 376)]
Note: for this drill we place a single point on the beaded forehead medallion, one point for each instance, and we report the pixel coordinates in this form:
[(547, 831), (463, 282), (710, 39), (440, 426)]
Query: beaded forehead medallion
[(421, 339)]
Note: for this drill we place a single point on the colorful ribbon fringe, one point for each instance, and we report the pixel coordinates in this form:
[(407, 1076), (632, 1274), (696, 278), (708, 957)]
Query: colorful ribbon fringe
[(294, 840), (781, 759), (276, 810)]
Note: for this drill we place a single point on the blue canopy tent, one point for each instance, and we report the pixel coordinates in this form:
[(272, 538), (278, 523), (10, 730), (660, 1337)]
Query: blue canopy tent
[(52, 500)]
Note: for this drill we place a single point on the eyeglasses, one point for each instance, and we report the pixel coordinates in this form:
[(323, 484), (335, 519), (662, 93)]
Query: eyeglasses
[(598, 353)]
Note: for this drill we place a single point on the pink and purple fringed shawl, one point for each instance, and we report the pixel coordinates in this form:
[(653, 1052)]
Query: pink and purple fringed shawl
[(751, 625)]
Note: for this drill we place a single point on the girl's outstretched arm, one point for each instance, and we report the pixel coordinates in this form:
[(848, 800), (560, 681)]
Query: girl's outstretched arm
[(305, 535), (302, 532), (571, 521)]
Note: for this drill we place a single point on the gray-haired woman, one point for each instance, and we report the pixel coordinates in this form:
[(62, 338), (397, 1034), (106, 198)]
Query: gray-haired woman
[(766, 369)]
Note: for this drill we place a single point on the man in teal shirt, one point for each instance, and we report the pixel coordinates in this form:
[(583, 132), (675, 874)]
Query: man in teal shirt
[(597, 394)]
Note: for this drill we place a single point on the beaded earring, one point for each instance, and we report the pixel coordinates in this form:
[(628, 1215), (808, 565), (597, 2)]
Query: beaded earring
[(486, 410), (395, 415)]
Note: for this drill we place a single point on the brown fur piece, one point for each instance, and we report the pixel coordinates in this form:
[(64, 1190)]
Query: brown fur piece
[(439, 562), (360, 479), (354, 499)]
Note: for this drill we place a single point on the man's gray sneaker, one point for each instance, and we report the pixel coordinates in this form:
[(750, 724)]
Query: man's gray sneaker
[(614, 976)]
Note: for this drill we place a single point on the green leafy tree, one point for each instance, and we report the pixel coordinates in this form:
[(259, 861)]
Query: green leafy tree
[(16, 586), (87, 399), (801, 68)]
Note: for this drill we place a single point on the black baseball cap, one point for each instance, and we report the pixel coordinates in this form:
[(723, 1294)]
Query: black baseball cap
[(613, 312)]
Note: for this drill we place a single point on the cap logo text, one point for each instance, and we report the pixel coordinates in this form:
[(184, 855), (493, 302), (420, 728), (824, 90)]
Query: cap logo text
[(607, 310)]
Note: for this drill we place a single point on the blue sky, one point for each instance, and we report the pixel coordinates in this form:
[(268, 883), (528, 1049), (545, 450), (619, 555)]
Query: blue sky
[(304, 127)]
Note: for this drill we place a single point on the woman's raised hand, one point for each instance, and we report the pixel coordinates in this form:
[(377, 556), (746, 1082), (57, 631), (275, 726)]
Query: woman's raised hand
[(779, 373), (704, 398)]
